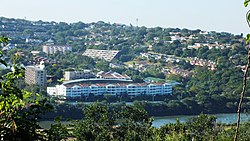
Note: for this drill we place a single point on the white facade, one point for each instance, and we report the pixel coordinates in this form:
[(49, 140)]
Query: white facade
[(131, 89), (51, 90), (71, 75), (52, 49), (36, 75), (96, 89), (167, 89), (107, 55), (61, 90)]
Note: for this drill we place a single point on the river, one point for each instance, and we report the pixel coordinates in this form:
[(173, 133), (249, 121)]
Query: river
[(160, 121), (220, 118)]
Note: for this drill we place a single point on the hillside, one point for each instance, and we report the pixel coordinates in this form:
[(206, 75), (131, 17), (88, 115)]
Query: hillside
[(209, 65)]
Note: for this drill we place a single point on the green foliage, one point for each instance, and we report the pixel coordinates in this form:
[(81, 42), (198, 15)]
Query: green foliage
[(19, 110), (246, 3), (208, 91), (4, 40), (102, 123), (132, 41), (202, 126), (58, 131), (247, 38), (102, 65), (153, 71), (199, 128), (244, 132), (176, 131)]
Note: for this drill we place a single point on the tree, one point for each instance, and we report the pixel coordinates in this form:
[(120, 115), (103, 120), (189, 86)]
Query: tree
[(202, 127), (104, 123), (19, 109), (175, 131), (58, 131), (28, 32), (102, 65)]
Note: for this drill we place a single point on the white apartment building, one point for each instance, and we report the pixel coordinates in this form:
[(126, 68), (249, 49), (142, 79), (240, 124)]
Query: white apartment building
[(52, 49), (107, 55), (36, 75), (71, 75), (51, 90), (131, 89)]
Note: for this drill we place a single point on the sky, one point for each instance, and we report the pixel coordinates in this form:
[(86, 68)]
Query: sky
[(209, 15)]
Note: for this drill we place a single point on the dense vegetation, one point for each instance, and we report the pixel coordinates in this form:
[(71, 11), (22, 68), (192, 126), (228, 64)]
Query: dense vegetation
[(132, 123), (171, 106), (20, 111), (206, 89)]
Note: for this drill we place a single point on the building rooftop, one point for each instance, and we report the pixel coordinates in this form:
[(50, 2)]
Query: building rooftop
[(41, 66), (95, 80), (112, 75), (107, 55), (115, 84)]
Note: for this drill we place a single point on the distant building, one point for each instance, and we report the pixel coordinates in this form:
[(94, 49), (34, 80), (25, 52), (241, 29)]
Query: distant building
[(51, 90), (115, 89), (36, 75), (35, 52), (107, 55), (33, 41), (71, 75), (52, 49), (88, 77), (37, 60), (195, 46), (202, 62), (111, 83), (182, 72), (115, 65)]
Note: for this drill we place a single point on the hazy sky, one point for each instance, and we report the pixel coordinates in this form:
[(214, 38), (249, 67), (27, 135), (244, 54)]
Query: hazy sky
[(217, 15)]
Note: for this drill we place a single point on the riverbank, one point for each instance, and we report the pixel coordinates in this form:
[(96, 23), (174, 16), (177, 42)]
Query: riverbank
[(154, 108), (225, 118)]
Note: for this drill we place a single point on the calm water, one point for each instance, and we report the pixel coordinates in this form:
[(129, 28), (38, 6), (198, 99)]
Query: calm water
[(221, 118), (160, 121)]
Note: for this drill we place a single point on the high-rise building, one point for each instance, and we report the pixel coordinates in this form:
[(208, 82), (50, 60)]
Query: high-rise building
[(36, 75)]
